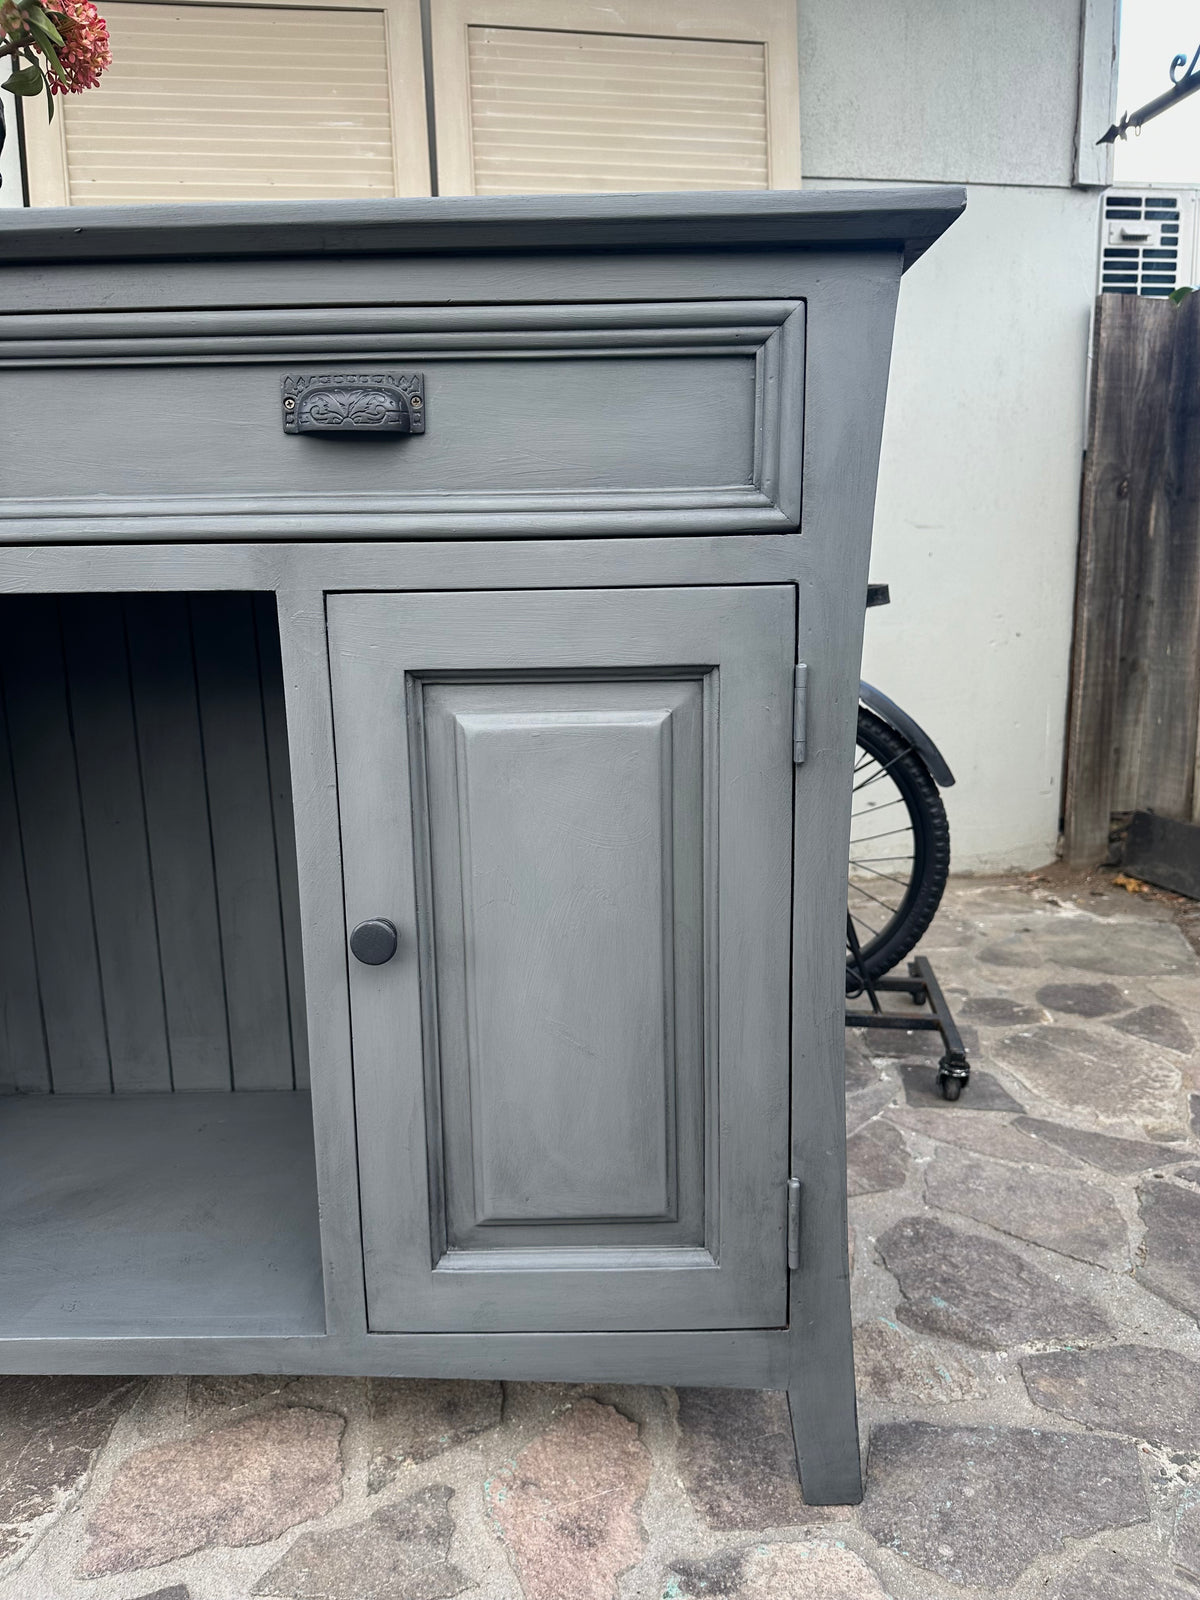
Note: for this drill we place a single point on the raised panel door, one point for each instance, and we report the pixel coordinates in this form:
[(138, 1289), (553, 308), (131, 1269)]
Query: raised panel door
[(572, 1077)]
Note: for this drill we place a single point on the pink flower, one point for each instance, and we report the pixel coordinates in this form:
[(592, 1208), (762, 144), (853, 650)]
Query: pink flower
[(85, 51)]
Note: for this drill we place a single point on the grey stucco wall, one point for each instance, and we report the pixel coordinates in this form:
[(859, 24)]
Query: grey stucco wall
[(977, 513)]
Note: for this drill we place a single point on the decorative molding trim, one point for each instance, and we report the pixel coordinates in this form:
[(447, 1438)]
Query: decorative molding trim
[(901, 218), (75, 338)]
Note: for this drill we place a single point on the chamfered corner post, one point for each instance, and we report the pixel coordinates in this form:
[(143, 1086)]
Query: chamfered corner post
[(825, 1435), (821, 1394)]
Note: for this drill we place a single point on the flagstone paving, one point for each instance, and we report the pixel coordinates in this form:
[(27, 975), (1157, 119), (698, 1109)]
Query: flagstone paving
[(1026, 1287)]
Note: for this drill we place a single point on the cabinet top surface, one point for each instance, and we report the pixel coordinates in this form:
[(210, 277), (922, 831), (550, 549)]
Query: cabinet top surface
[(905, 218)]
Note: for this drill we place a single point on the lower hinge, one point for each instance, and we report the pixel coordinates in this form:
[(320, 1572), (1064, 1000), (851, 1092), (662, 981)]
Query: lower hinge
[(800, 714), (793, 1223)]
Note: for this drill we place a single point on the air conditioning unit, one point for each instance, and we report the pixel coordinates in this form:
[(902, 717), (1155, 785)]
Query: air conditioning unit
[(1149, 240)]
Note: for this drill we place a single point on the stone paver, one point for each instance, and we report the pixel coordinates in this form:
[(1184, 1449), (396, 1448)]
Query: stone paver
[(970, 1288), (804, 1571), (989, 1136), (1109, 1575), (1123, 1156), (1121, 947), (1172, 1244), (244, 1484), (1028, 1377), (892, 1365), (977, 1505), (861, 1070), (876, 1159), (1160, 1025), (1104, 1074), (51, 1430), (1081, 999), (1137, 1389), (568, 1506), (223, 1397), (987, 1092), (401, 1550), (415, 1420), (868, 1089), (736, 1458), (1053, 1209), (998, 1011), (1185, 1534)]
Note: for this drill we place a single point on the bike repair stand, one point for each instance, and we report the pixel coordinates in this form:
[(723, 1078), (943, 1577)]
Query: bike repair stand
[(954, 1070)]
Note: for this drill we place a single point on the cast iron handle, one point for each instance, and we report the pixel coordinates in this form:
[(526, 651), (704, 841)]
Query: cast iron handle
[(373, 942), (349, 403)]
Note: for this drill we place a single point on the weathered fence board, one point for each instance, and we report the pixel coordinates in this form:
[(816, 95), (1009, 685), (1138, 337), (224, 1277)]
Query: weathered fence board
[(1135, 694)]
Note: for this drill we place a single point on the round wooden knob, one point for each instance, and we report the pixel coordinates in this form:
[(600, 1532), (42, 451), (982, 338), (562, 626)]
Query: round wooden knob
[(374, 942)]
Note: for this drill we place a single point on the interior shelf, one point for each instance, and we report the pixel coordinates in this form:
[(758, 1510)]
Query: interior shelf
[(141, 1215)]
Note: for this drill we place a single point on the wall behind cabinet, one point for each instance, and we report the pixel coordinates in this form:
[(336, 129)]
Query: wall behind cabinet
[(149, 921)]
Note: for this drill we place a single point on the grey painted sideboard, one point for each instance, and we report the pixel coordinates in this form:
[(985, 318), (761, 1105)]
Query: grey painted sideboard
[(422, 867)]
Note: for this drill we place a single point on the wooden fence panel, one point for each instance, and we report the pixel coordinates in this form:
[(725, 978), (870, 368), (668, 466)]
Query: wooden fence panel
[(1135, 693)]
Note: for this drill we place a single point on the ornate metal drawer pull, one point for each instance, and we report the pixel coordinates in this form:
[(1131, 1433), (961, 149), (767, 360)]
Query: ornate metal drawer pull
[(346, 403)]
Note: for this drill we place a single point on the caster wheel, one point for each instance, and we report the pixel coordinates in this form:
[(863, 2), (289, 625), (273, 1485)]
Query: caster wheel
[(951, 1087)]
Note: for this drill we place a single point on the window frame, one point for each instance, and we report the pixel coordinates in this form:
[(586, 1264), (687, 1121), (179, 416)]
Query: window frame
[(772, 23)]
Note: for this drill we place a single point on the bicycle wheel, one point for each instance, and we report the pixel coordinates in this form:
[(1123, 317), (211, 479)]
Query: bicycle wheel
[(899, 847)]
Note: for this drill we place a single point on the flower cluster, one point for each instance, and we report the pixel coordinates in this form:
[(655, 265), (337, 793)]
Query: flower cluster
[(60, 46), (85, 50)]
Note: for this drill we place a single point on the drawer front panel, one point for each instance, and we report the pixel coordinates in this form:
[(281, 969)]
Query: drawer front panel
[(649, 417)]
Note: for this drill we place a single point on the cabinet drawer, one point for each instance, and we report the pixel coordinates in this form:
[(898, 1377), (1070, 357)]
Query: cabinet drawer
[(678, 417)]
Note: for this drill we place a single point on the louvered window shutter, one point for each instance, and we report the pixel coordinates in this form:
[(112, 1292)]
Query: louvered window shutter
[(242, 102), (557, 96)]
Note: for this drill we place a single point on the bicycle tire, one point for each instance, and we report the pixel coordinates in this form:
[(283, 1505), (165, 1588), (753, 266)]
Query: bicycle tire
[(931, 845)]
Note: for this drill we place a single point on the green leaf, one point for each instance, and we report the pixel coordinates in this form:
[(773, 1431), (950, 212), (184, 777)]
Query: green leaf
[(49, 106), (45, 40), (1177, 295), (28, 80), (40, 23), (51, 56)]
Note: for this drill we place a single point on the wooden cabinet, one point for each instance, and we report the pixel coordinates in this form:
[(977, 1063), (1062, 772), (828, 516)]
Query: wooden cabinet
[(518, 689)]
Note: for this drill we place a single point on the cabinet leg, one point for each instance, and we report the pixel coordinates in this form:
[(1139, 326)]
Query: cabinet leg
[(827, 1455), (820, 1391)]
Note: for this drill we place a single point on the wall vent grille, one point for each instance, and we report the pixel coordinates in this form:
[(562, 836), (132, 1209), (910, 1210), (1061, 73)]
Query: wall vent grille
[(1148, 241)]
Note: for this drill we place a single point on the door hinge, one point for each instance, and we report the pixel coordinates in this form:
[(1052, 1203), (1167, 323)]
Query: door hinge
[(793, 1224), (800, 714)]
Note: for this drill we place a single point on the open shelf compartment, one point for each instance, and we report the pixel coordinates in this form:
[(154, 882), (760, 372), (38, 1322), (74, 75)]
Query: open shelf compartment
[(157, 1170)]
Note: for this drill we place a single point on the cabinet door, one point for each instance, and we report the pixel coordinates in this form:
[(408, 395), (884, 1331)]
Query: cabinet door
[(572, 1078)]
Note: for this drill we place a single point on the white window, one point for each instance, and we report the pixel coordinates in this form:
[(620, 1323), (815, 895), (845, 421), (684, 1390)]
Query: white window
[(558, 95), (241, 102)]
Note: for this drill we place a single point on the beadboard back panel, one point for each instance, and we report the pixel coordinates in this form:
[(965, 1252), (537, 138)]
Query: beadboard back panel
[(149, 925)]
